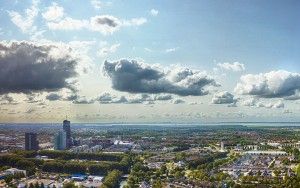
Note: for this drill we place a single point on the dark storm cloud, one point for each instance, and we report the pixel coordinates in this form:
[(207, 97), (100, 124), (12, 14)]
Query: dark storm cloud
[(83, 100), (107, 98), (74, 98), (139, 77), (163, 97), (140, 99), (178, 101), (32, 98), (107, 20), (27, 67), (53, 97), (105, 24), (7, 100)]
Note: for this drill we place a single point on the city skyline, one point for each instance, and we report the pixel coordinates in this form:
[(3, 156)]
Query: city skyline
[(164, 61)]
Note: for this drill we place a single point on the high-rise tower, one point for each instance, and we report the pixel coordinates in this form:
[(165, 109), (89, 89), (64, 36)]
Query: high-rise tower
[(67, 129), (60, 140), (31, 142)]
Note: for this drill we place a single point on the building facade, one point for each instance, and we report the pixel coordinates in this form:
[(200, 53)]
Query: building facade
[(31, 142), (60, 141), (67, 129)]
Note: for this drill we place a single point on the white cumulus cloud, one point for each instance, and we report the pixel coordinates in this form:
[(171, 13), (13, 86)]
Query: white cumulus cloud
[(25, 21), (96, 4), (106, 50), (68, 24), (223, 97), (178, 101), (255, 102), (134, 22), (154, 12), (236, 66), (105, 24), (54, 12), (272, 84), (171, 50)]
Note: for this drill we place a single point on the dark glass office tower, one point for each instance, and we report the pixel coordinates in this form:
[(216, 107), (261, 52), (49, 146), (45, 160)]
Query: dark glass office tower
[(67, 129), (31, 142)]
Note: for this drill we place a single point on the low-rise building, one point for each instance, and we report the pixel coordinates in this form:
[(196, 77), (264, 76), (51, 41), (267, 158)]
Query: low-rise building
[(257, 152), (11, 171)]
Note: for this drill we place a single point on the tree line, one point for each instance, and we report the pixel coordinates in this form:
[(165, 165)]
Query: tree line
[(112, 179), (66, 155), (64, 166)]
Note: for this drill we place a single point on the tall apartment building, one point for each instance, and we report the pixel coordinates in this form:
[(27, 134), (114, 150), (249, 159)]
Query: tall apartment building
[(60, 141), (67, 129), (31, 142)]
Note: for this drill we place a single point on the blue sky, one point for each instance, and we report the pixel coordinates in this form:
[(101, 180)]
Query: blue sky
[(241, 56)]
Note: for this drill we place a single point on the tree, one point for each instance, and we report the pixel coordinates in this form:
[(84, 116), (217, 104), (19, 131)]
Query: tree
[(19, 175), (99, 169), (157, 184), (163, 169), (24, 164), (112, 179), (276, 172), (8, 179), (296, 153), (36, 185), (52, 167), (42, 185), (298, 170), (74, 168), (69, 185), (178, 174), (31, 185)]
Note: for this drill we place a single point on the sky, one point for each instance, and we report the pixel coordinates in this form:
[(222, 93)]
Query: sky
[(149, 61)]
